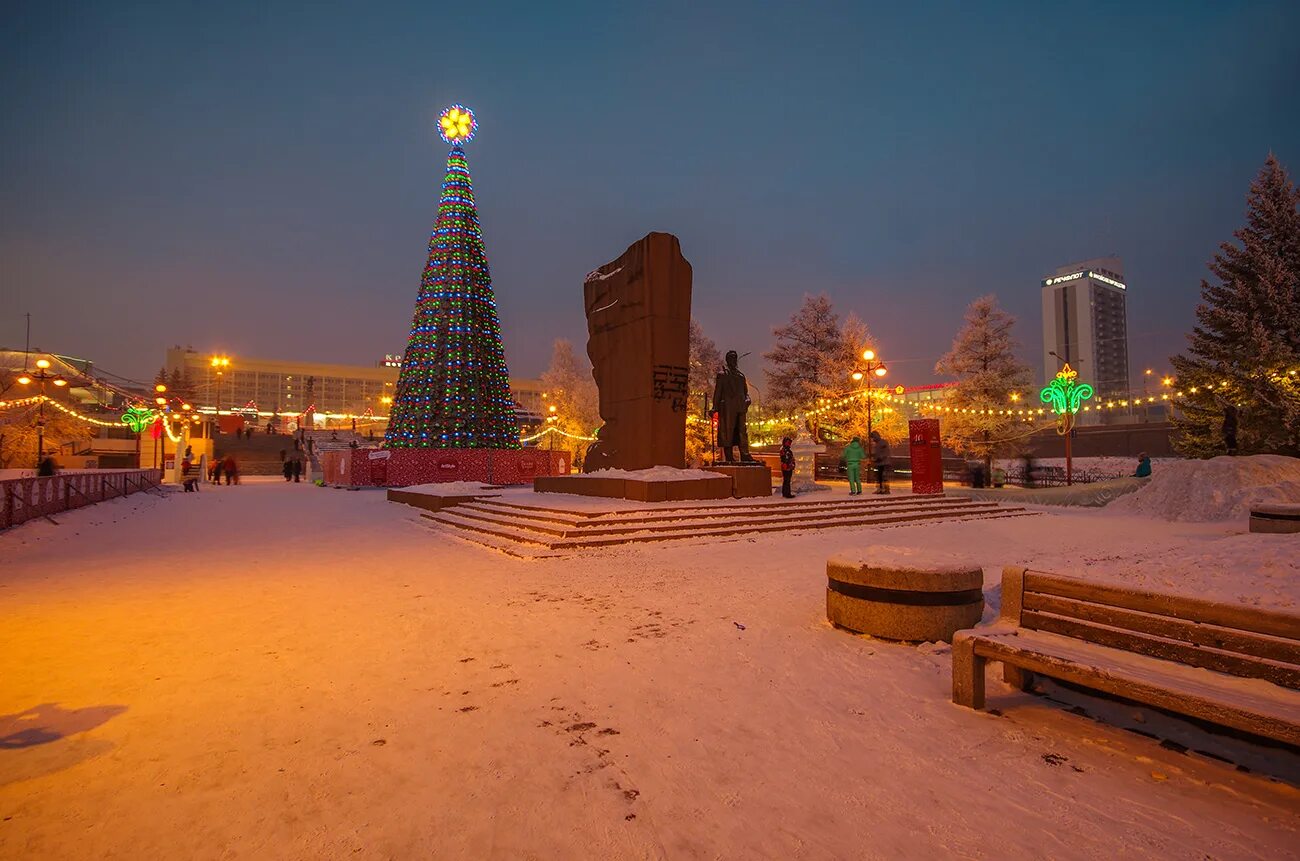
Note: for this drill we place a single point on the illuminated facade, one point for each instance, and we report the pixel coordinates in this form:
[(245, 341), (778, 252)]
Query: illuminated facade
[(1085, 323), (281, 386)]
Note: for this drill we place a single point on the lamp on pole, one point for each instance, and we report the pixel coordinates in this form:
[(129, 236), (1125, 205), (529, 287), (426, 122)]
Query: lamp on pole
[(870, 370), (219, 364), (551, 419), (41, 376)]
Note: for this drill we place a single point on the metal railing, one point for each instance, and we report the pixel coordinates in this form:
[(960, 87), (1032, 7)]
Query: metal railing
[(22, 499)]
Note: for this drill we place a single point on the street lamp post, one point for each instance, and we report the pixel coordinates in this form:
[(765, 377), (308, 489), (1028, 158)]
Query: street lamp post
[(42, 375), (871, 368), (219, 363), (550, 423)]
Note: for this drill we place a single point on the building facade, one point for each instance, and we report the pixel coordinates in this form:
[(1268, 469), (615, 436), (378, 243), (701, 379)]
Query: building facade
[(1085, 323), (280, 386)]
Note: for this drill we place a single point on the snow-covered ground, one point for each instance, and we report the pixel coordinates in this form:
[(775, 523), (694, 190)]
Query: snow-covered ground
[(283, 671)]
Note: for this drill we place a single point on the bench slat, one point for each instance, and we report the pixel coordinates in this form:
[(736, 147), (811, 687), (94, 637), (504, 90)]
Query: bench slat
[(1226, 639), (1276, 721), (1243, 618), (1164, 649)]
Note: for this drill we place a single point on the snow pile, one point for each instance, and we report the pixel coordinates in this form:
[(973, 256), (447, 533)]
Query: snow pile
[(1223, 488), (654, 473), (451, 488)]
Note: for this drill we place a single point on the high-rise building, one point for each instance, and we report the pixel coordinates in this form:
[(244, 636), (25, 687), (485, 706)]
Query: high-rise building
[(1085, 323)]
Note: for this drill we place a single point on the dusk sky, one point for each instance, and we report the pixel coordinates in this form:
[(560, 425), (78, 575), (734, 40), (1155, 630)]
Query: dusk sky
[(261, 179)]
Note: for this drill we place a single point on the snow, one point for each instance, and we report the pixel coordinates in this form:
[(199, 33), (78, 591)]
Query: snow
[(594, 275), (1222, 488), (453, 488), (654, 473), (284, 671)]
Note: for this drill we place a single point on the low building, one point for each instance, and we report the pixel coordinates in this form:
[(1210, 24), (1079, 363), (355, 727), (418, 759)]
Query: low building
[(278, 386)]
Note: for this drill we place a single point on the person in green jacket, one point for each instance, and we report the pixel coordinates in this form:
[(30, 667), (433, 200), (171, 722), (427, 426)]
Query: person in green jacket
[(1144, 466), (854, 454)]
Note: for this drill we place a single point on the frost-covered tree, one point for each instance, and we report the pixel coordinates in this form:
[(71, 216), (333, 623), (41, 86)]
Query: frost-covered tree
[(1244, 352), (572, 391), (18, 433), (983, 363), (850, 420), (803, 362), (705, 362)]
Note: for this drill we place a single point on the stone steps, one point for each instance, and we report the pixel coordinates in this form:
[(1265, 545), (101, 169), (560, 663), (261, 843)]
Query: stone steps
[(713, 518), (528, 531)]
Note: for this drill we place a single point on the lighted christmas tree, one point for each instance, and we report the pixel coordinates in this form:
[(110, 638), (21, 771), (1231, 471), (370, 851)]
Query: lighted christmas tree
[(454, 389)]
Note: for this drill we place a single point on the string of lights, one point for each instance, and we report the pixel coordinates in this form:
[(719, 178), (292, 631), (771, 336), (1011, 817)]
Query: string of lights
[(36, 399), (554, 430)]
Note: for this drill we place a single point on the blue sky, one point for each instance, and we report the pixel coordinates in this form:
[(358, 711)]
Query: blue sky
[(261, 179)]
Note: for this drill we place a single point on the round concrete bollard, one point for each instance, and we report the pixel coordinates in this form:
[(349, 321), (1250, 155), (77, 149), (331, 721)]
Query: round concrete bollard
[(904, 596), (1275, 517)]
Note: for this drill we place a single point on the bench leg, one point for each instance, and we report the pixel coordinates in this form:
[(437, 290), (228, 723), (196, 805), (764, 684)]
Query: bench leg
[(967, 675), (1021, 680)]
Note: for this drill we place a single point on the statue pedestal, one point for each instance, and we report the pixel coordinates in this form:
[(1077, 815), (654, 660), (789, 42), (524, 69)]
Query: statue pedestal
[(750, 479), (637, 489)]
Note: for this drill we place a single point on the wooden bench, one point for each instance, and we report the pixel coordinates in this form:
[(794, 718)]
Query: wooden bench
[(1227, 664)]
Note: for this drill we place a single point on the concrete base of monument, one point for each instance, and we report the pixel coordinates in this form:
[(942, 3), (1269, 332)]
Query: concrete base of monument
[(747, 480), (404, 467), (660, 484)]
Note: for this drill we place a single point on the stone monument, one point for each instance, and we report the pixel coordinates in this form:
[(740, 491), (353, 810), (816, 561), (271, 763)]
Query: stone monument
[(638, 324)]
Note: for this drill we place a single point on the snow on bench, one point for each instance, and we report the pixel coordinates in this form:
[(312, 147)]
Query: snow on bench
[(1226, 664)]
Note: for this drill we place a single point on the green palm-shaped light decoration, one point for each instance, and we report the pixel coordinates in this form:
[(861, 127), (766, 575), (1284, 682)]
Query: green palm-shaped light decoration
[(137, 418), (1065, 395)]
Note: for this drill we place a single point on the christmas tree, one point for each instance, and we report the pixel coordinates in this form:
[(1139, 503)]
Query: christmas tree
[(1242, 368), (454, 389)]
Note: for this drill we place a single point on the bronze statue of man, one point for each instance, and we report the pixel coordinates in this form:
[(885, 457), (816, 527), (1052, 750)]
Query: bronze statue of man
[(730, 403)]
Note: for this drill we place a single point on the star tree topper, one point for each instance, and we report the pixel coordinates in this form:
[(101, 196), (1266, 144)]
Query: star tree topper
[(457, 125)]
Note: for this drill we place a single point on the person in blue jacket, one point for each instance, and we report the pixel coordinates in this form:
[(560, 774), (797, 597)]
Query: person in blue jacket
[(1144, 466), (854, 454)]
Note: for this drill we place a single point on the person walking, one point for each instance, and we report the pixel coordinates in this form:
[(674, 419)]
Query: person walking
[(297, 468), (854, 454), (287, 469), (787, 467), (232, 470), (880, 457), (218, 467), (190, 484)]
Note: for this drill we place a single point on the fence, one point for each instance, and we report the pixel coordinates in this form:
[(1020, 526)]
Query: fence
[(21, 499)]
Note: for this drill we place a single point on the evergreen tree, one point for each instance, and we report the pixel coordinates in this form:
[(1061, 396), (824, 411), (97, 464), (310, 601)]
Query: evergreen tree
[(804, 359), (1243, 354), (571, 389), (705, 363), (160, 378), (176, 384), (454, 387), (983, 362)]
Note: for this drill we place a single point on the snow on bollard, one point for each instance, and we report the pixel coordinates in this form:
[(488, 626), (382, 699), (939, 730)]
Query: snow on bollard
[(903, 595), (1275, 517)]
